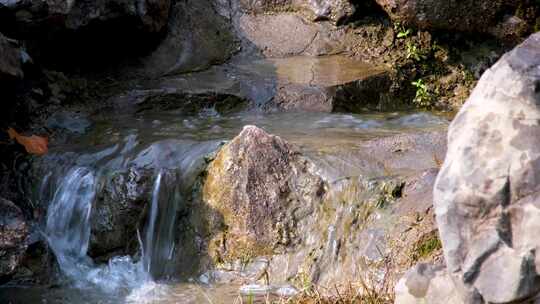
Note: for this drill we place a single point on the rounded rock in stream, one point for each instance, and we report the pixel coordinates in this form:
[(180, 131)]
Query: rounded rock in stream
[(13, 234), (258, 182)]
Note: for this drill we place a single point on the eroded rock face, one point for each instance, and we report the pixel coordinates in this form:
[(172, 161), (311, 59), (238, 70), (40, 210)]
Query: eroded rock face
[(10, 60), (259, 183), (487, 193), (13, 234), (449, 15), (197, 38)]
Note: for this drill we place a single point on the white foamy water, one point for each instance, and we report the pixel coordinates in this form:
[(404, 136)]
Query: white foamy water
[(68, 234)]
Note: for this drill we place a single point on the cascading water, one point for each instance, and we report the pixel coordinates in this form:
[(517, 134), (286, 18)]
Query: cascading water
[(68, 227), (68, 233), (157, 159), (158, 244)]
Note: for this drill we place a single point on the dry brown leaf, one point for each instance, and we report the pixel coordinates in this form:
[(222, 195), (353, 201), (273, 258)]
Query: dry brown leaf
[(33, 144)]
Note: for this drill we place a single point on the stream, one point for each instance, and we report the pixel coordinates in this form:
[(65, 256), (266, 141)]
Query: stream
[(173, 146)]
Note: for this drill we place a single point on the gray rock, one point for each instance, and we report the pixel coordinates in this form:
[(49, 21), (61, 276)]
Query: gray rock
[(13, 234), (486, 195), (288, 34), (426, 283), (10, 59), (258, 182)]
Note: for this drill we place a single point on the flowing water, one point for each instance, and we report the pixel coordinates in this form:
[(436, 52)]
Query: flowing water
[(158, 244), (173, 146), (75, 176)]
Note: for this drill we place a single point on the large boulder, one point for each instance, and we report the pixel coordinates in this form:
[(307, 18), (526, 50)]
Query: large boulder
[(259, 183), (10, 59), (13, 235), (488, 191)]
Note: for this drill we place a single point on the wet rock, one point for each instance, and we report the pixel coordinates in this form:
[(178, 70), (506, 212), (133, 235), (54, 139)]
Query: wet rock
[(448, 15), (197, 38), (167, 100), (327, 241), (297, 97), (407, 152), (486, 194), (117, 212), (301, 83), (426, 283), (329, 84), (259, 183), (10, 59), (13, 234)]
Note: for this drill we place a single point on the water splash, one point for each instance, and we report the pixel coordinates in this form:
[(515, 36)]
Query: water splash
[(68, 234)]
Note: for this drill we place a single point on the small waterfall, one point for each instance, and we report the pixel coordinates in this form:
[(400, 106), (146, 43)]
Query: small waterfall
[(68, 233), (158, 244), (68, 216)]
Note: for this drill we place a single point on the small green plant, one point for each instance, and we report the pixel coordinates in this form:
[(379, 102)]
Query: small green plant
[(426, 246), (413, 52), (402, 32), (423, 97)]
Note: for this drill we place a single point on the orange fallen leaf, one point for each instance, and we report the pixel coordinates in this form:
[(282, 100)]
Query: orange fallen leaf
[(33, 144)]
